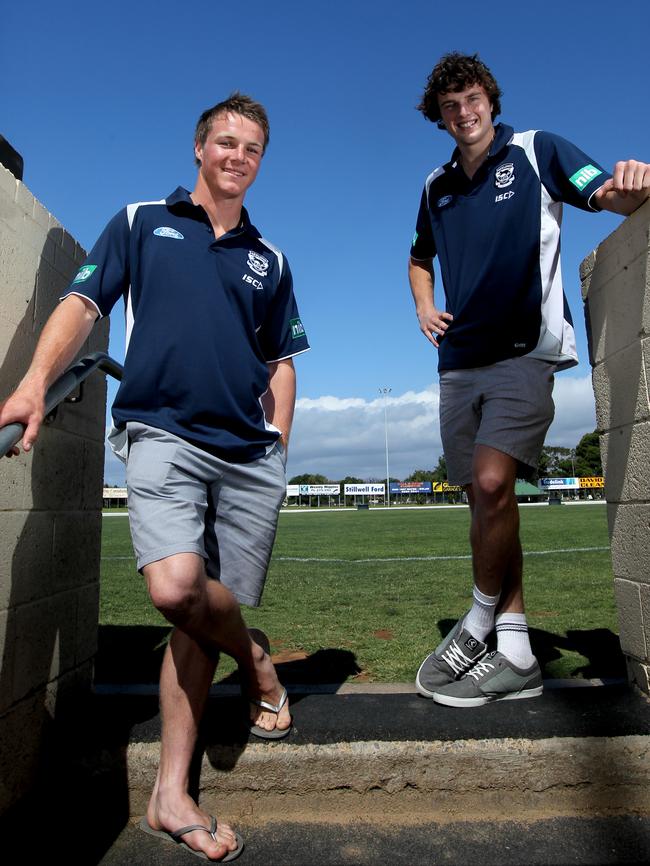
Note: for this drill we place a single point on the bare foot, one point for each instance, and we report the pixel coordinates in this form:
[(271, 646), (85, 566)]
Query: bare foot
[(184, 812), (264, 684)]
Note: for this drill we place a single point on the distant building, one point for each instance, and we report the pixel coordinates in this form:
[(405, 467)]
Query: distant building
[(114, 497)]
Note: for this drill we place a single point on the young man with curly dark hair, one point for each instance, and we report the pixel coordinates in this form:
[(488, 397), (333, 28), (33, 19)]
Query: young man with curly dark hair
[(492, 215)]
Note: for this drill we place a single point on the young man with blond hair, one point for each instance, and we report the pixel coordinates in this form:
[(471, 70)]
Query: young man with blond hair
[(202, 417)]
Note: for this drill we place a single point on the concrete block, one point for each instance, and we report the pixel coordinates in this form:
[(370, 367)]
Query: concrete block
[(48, 251), (41, 216), (80, 254), (23, 198), (55, 226), (56, 462), (629, 530), (8, 182), (62, 695), (65, 264), (45, 642), (26, 567), (7, 640), (24, 741), (68, 244), (17, 342), (619, 310), (11, 222), (621, 386), (644, 591), (639, 674), (86, 418), (626, 464), (93, 477), (621, 247), (585, 270), (32, 234), (12, 482), (628, 602), (18, 266), (87, 623), (76, 549), (49, 287)]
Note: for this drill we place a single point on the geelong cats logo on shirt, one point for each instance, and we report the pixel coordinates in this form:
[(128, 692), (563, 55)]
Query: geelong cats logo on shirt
[(258, 264), (504, 175)]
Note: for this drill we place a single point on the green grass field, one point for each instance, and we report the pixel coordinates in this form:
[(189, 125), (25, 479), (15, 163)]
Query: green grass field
[(368, 594)]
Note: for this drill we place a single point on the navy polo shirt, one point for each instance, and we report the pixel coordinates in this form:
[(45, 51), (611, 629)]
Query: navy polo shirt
[(498, 240), (205, 317)]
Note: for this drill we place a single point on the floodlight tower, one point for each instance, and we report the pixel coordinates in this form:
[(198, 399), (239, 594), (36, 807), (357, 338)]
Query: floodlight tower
[(385, 392)]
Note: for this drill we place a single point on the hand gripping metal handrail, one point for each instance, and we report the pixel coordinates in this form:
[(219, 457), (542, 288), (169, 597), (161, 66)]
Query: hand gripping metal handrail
[(62, 388)]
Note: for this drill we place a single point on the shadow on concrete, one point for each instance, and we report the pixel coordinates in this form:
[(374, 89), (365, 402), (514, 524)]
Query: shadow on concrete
[(133, 654), (130, 654)]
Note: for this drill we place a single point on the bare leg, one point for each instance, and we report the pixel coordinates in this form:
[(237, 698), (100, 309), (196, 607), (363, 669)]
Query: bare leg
[(494, 533), (208, 619)]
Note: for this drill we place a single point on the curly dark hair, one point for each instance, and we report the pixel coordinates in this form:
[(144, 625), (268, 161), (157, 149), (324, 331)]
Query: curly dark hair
[(455, 72), (237, 103)]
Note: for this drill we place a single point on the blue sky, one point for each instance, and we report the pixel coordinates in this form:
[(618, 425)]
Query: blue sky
[(102, 100)]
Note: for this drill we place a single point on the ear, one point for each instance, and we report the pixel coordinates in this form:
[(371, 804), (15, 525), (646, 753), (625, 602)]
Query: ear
[(198, 151)]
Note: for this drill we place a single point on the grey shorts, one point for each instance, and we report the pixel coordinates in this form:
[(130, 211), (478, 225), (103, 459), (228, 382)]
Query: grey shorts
[(507, 406), (184, 500)]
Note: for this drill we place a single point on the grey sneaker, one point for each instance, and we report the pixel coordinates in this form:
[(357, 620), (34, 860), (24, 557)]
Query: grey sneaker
[(494, 678), (457, 653)]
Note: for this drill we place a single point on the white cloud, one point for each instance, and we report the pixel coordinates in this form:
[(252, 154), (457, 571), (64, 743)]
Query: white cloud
[(336, 436), (575, 410), (339, 436), (346, 436)]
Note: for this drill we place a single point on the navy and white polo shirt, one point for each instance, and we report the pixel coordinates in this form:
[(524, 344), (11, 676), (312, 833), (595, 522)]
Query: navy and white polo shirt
[(204, 318), (498, 240)]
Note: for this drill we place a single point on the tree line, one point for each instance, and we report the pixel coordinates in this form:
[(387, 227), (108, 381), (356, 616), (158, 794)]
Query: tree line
[(555, 461)]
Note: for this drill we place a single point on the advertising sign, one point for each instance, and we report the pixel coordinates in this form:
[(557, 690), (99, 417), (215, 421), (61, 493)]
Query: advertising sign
[(559, 483), (446, 487), (410, 487), (293, 490), (364, 489), (321, 489), (594, 481)]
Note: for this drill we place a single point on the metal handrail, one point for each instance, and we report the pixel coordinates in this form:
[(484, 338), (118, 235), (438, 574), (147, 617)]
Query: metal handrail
[(62, 388)]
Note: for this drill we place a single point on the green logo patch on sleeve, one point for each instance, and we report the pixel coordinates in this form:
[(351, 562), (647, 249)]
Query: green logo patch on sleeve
[(415, 237), (297, 329), (84, 273), (584, 176)]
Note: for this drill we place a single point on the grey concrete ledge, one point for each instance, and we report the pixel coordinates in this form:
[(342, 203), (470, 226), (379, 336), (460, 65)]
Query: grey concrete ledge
[(574, 751), (554, 776)]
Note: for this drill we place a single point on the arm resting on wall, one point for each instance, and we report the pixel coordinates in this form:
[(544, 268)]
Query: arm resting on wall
[(64, 334)]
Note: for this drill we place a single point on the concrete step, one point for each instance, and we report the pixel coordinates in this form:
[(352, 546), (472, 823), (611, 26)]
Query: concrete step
[(574, 751), (555, 841), (368, 763)]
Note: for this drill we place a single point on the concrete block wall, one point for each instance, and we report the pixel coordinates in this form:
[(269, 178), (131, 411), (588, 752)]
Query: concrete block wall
[(616, 290), (50, 505)]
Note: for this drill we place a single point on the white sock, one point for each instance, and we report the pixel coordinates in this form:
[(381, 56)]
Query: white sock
[(479, 622), (513, 640)]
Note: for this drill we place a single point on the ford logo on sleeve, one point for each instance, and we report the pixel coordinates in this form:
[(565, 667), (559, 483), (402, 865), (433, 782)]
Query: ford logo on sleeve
[(167, 232)]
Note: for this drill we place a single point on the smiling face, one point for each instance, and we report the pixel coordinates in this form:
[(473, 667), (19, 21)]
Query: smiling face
[(467, 116), (231, 155)]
